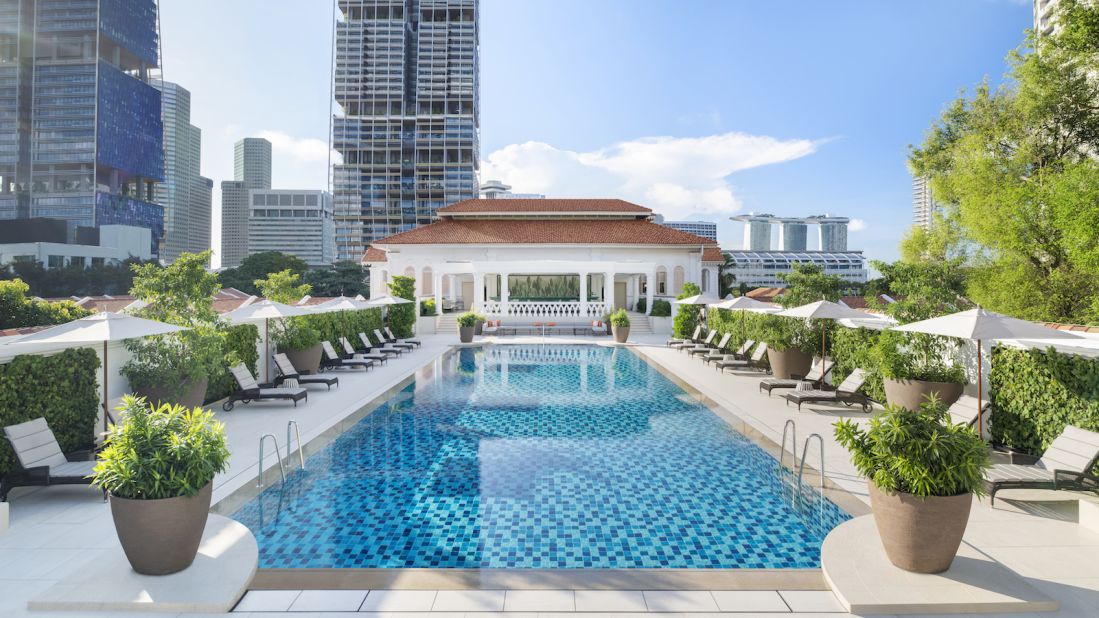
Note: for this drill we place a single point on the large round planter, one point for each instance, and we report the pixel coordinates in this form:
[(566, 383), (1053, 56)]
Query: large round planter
[(161, 537), (912, 393), (789, 362), (307, 360), (479, 328), (621, 333), (192, 396), (465, 333), (921, 535)]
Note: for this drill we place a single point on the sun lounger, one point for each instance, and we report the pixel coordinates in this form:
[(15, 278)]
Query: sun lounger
[(703, 345), (41, 462), (351, 352), (390, 342), (705, 351), (287, 371), (393, 338), (331, 360), (846, 393), (381, 349), (754, 362), (964, 411), (693, 339), (816, 375), (1066, 464), (718, 355), (250, 390)]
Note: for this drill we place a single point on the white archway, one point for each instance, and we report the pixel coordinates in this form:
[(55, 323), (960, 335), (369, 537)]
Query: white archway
[(661, 280), (705, 279)]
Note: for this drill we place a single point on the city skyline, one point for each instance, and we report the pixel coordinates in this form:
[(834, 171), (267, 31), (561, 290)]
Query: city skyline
[(760, 138)]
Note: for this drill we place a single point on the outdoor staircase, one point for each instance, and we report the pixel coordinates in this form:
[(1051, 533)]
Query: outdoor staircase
[(447, 323), (639, 324)]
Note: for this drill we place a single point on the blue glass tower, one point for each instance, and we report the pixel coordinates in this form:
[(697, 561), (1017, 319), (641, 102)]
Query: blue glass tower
[(81, 136)]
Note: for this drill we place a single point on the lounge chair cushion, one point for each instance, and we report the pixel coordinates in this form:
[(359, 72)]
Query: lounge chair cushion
[(281, 392), (1074, 450), (1016, 472), (72, 469), (34, 444)]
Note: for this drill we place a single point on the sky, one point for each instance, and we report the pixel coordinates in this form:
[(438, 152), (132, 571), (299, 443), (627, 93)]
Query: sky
[(699, 109)]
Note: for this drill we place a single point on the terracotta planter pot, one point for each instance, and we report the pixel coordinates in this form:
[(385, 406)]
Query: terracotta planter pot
[(621, 333), (465, 333), (161, 536), (789, 362), (911, 393), (921, 535), (193, 395), (307, 360)]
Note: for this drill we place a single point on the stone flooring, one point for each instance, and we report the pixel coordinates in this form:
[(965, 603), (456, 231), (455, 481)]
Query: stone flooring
[(58, 531)]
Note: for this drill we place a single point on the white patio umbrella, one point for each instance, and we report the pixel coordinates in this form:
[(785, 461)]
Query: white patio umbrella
[(824, 310), (265, 310), (744, 303), (982, 325), (340, 303), (387, 300), (100, 327)]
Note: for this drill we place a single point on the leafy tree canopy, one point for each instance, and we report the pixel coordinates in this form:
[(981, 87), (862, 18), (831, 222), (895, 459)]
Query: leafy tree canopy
[(16, 310), (259, 266), (807, 283), (73, 280), (345, 278), (283, 287), (1017, 168)]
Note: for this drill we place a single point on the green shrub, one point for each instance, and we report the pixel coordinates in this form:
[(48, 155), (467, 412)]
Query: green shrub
[(296, 333), (332, 326), (62, 388), (427, 308), (686, 317), (241, 346), (642, 303), (1036, 393), (469, 319), (18, 311), (620, 319), (402, 317), (165, 452), (855, 348), (920, 453), (661, 309)]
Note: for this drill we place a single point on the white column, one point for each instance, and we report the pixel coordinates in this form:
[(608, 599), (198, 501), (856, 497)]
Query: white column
[(635, 288), (505, 293), (650, 280), (584, 295), (437, 288), (478, 292), (608, 290)]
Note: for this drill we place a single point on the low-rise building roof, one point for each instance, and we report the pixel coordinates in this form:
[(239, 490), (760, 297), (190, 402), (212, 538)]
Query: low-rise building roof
[(507, 206), (543, 231)]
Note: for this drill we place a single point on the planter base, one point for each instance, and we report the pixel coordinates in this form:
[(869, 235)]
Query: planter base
[(161, 537), (621, 333), (789, 362), (911, 394), (921, 535)]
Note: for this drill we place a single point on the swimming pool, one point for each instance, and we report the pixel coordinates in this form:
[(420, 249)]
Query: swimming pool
[(532, 456)]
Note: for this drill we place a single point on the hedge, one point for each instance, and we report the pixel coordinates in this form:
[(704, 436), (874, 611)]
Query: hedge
[(1036, 393), (62, 388), (661, 309), (851, 349), (332, 326), (240, 347)]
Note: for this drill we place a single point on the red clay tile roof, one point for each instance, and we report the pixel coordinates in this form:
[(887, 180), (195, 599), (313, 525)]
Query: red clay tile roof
[(374, 255), (543, 205), (543, 231), (1079, 328), (713, 254)]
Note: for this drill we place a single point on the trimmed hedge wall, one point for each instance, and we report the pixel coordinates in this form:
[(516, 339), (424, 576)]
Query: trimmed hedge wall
[(62, 388), (851, 349), (240, 346), (331, 326), (1035, 393)]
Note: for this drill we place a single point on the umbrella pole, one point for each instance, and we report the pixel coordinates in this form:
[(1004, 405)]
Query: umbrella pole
[(823, 349), (267, 349), (980, 394), (105, 385)]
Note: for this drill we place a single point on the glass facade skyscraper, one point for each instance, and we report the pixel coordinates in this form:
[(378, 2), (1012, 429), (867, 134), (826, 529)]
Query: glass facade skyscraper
[(183, 194), (81, 137), (406, 80)]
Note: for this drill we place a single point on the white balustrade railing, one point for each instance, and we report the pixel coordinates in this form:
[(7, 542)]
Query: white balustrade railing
[(548, 310)]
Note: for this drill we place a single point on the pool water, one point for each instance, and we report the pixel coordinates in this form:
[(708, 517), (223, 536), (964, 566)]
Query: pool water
[(529, 456)]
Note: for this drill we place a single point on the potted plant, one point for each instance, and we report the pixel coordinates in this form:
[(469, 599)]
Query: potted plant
[(301, 343), (914, 368), (923, 472), (467, 324), (785, 339), (620, 325), (158, 467), (174, 368)]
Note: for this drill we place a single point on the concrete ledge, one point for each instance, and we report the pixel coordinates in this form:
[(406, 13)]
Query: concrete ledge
[(865, 582), (226, 563), (1089, 514)]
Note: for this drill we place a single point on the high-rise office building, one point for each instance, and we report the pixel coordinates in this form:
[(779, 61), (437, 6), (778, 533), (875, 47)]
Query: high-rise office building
[(705, 229), (794, 232), (251, 170), (199, 234), (832, 233), (1044, 16), (182, 194), (793, 235), (81, 137), (923, 203), (406, 81), (757, 231), (296, 222), (252, 162)]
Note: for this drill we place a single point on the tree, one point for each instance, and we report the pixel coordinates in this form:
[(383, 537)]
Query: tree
[(345, 278), (807, 283), (17, 311), (283, 287), (402, 317), (1018, 168), (73, 280), (259, 266), (295, 333), (686, 317), (725, 277)]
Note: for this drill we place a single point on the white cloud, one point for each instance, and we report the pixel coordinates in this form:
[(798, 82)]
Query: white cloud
[(305, 149), (676, 176), (856, 225)]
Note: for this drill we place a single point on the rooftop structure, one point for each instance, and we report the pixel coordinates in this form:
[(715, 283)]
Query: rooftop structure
[(81, 137), (793, 232), (406, 82), (762, 268)]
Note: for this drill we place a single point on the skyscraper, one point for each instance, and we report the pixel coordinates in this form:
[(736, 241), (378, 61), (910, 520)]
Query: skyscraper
[(923, 204), (251, 170), (81, 137), (182, 194), (406, 81)]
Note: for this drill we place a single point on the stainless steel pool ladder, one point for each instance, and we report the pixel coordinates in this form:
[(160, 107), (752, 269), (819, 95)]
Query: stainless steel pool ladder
[(804, 454), (297, 434), (278, 454), (792, 428)]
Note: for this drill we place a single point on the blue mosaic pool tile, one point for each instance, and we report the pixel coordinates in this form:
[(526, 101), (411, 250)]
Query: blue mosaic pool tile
[(540, 457)]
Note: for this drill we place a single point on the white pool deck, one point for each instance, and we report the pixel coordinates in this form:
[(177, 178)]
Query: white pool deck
[(58, 533)]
